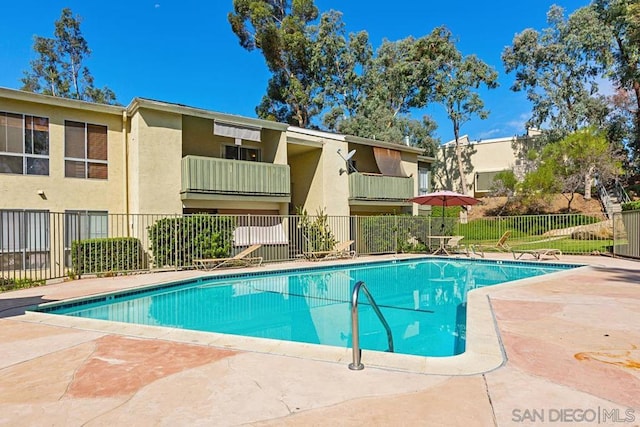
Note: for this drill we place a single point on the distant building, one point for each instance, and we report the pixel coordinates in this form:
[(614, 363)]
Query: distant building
[(482, 161)]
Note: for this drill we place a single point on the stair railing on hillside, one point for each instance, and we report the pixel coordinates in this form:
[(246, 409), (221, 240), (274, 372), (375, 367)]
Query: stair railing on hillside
[(620, 193), (606, 200)]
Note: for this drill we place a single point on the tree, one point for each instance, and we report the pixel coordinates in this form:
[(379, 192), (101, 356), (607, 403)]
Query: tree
[(558, 71), (397, 80), (318, 72), (455, 88), (570, 164), (621, 58), (58, 69), (284, 31)]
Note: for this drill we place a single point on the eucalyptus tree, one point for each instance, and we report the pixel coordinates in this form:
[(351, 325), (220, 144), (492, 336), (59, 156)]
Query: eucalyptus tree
[(345, 64), (621, 57), (557, 68), (456, 87), (398, 81), (289, 37), (59, 69)]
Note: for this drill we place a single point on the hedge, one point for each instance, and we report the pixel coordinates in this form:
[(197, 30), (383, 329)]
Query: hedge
[(177, 241), (106, 255)]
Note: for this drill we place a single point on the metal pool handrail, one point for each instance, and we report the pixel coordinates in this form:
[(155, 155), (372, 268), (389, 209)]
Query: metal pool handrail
[(357, 365)]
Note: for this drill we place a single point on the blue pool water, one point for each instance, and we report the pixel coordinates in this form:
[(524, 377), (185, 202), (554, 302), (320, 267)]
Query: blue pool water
[(424, 302)]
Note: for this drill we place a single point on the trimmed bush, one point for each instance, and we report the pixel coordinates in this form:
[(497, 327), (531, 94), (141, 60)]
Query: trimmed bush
[(106, 255), (177, 241)]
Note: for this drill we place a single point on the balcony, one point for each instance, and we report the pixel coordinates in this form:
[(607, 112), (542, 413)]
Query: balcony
[(203, 177), (367, 187)]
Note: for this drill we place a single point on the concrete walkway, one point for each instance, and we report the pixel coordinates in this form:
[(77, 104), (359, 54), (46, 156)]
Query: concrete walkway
[(569, 352)]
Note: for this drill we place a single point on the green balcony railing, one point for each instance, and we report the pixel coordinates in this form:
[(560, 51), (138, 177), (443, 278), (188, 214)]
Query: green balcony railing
[(379, 187), (223, 176)]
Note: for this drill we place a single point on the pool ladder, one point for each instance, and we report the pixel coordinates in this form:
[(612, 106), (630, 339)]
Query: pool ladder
[(357, 365)]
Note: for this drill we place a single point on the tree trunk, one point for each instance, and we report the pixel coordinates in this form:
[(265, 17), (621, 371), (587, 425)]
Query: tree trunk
[(588, 178), (463, 178)]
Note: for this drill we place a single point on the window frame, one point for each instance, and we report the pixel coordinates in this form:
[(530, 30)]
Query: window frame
[(80, 222), (424, 173), (478, 180), (25, 238), (27, 158), (240, 149), (86, 161)]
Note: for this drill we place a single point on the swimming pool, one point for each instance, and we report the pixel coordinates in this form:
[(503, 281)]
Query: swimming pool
[(423, 300)]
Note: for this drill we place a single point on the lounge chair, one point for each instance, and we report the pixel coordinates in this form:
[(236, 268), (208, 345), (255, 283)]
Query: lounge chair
[(536, 253), (241, 259), (501, 245), (453, 245), (340, 250)]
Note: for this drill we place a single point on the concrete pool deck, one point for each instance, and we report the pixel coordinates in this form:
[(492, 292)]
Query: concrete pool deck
[(568, 351)]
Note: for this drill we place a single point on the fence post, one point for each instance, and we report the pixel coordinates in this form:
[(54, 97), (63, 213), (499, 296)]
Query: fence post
[(175, 240), (79, 246), (395, 240), (613, 225)]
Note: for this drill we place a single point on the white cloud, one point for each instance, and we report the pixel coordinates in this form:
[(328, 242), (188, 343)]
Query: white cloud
[(157, 5), (490, 134)]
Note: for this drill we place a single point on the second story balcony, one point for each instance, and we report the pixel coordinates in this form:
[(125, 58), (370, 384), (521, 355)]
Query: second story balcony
[(223, 178), (372, 187)]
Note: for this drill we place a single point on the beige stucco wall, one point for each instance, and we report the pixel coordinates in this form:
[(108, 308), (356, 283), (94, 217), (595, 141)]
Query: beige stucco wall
[(486, 156), (335, 185), (410, 167), (198, 140), (21, 191), (318, 185), (493, 156), (306, 181), (155, 147)]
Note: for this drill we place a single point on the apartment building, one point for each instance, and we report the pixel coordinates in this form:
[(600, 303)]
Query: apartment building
[(482, 161), (156, 157), (88, 162)]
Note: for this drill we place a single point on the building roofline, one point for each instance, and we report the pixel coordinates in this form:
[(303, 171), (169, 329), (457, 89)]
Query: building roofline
[(384, 144), (316, 133), (21, 95), (137, 103), (427, 159)]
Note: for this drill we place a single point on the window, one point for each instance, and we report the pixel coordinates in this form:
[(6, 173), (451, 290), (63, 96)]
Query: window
[(81, 225), (24, 239), (24, 144), (484, 180), (85, 150), (423, 181), (237, 152)]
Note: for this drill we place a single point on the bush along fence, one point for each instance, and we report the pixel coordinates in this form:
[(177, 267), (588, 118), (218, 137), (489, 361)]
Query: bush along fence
[(36, 246)]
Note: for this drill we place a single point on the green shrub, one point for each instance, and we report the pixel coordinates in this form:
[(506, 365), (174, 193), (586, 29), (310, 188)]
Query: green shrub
[(384, 234), (631, 206), (177, 241), (317, 232), (106, 255), (8, 284)]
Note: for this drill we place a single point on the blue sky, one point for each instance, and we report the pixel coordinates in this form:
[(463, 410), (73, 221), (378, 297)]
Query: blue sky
[(185, 52)]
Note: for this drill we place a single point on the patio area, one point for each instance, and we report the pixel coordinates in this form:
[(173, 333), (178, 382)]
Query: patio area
[(568, 351)]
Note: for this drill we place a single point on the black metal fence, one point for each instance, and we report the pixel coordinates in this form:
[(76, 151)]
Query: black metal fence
[(40, 245)]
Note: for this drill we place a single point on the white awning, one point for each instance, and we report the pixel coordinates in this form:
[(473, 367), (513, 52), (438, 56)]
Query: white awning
[(253, 235), (236, 132)]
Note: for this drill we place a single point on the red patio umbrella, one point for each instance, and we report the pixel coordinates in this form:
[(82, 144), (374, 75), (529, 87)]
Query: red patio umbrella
[(444, 198)]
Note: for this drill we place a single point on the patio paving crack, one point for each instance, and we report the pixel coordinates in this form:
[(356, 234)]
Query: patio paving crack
[(493, 411)]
